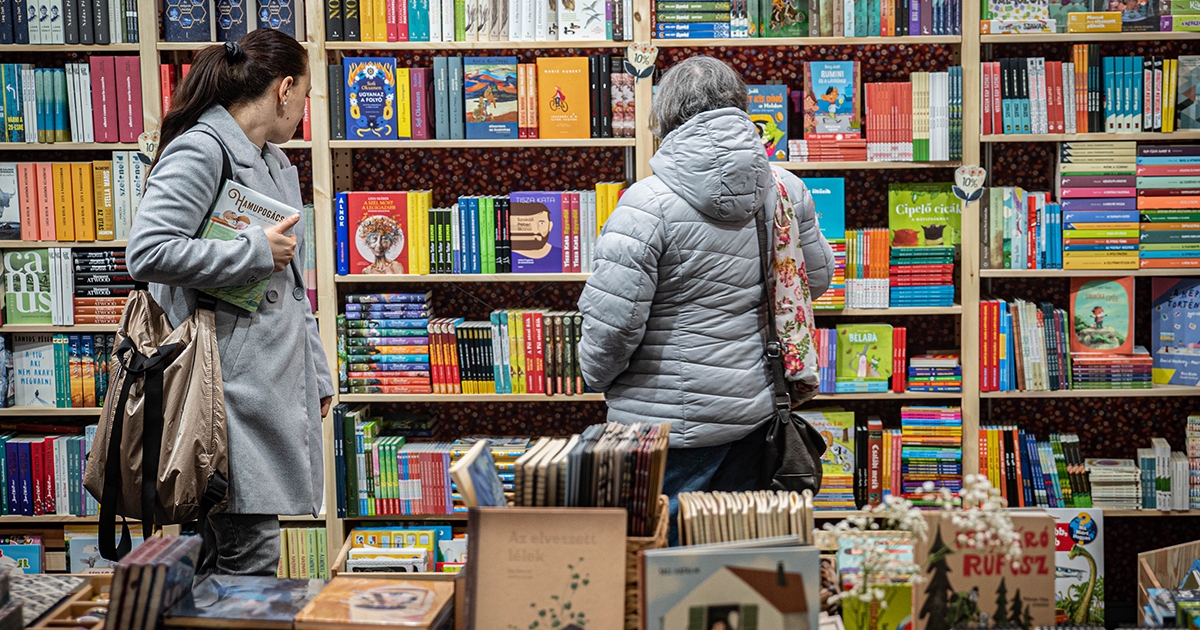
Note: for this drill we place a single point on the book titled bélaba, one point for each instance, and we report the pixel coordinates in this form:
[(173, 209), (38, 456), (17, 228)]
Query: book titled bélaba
[(237, 209)]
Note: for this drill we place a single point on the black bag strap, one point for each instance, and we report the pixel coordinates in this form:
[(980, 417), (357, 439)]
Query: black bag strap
[(783, 400)]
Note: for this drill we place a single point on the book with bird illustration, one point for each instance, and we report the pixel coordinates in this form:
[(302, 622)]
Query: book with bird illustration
[(864, 359)]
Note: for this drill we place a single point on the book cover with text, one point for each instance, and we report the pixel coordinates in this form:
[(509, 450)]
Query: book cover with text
[(832, 103), (864, 352), (1079, 566), (1175, 322), (490, 97), (535, 227), (829, 200), (768, 112), (370, 98), (564, 97), (924, 215), (1102, 315), (239, 208)]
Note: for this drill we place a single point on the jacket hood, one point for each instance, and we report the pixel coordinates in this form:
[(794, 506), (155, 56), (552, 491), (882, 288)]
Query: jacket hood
[(716, 163)]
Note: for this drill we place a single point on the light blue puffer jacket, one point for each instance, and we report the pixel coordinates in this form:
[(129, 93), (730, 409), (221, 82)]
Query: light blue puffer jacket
[(673, 316)]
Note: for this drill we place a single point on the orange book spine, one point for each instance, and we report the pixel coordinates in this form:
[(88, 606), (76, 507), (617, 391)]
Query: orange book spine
[(1167, 203), (27, 185), (64, 205), (45, 200), (166, 76)]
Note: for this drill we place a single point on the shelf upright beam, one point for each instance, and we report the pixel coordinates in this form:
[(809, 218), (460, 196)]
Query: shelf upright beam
[(642, 91), (969, 350), (148, 63)]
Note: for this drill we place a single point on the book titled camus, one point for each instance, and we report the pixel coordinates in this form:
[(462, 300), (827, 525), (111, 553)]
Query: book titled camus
[(238, 209)]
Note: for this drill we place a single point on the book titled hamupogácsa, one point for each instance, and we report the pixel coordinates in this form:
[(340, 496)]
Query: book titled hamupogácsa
[(237, 209)]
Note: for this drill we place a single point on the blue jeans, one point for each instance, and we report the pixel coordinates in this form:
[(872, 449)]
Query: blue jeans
[(730, 467)]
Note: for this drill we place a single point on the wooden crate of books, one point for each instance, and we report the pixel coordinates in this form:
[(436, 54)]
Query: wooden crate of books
[(1163, 568), (632, 546), (91, 595)]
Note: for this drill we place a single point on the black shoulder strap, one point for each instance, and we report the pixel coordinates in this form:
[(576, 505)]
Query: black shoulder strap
[(774, 355)]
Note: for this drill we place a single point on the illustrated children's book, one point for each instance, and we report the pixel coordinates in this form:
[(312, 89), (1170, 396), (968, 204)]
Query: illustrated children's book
[(371, 106), (829, 200), (564, 97), (1175, 321), (535, 227), (83, 548), (864, 357), (1102, 315), (832, 104), (837, 427), (240, 600), (378, 231), (476, 478), (239, 208), (859, 615), (785, 18), (1079, 563), (354, 602), (490, 97), (768, 112), (978, 588), (1188, 108), (924, 215), (21, 554), (27, 296), (714, 587)]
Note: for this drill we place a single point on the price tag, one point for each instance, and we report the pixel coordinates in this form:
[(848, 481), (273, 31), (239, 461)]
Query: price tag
[(968, 182), (148, 143), (639, 59)]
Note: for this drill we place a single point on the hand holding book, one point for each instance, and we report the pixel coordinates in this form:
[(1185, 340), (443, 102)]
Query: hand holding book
[(283, 242)]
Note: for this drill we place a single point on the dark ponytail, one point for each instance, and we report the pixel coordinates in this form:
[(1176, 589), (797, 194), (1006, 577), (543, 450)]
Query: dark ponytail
[(230, 74)]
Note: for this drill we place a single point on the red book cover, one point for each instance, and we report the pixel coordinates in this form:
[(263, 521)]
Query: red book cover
[(435, 355), (421, 80), (985, 344), (379, 229), (166, 77), (27, 192), (899, 373), (997, 99), (1059, 104), (1016, 442), (306, 125), (576, 262), (184, 69), (987, 98), (398, 8), (1171, 170), (984, 469), (49, 487), (1051, 116), (37, 470), (539, 353), (129, 98), (874, 461), (994, 331), (1031, 233), (104, 99)]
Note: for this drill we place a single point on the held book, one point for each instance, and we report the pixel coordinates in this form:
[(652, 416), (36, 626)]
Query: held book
[(239, 208)]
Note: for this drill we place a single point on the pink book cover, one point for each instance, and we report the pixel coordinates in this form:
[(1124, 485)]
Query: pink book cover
[(1168, 170), (1096, 193), (576, 228), (45, 200), (104, 115), (129, 98), (422, 87), (27, 185)]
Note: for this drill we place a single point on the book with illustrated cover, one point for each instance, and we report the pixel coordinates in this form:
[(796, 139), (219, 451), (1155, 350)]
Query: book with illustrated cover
[(242, 601), (21, 554), (1079, 565), (1102, 315), (564, 97), (924, 215), (1175, 321), (769, 113), (377, 224), (864, 355), (10, 203), (34, 370), (832, 104), (476, 477), (829, 200), (38, 593), (535, 225), (837, 427), (354, 602), (27, 294), (490, 97), (787, 18), (371, 104), (83, 548), (1188, 82), (239, 208)]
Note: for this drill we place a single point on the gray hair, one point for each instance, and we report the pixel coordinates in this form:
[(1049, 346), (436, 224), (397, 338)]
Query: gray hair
[(694, 86)]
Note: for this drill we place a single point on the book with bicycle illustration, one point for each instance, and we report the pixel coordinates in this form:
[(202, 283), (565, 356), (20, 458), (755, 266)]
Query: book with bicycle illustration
[(238, 209), (564, 97)]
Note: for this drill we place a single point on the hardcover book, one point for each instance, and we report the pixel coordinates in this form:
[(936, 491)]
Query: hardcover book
[(831, 100), (1175, 321), (924, 215), (370, 98), (1102, 315), (787, 18), (1079, 565), (476, 477), (242, 601), (27, 295), (188, 21), (1188, 79), (864, 353), (281, 15), (768, 112), (83, 548), (535, 227), (829, 199), (563, 92), (239, 208), (378, 225), (490, 97), (354, 602), (837, 427), (34, 370), (233, 19)]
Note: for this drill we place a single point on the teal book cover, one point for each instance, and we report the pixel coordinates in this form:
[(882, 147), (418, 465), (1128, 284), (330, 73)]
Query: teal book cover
[(490, 97), (768, 112), (924, 215), (829, 199), (370, 98)]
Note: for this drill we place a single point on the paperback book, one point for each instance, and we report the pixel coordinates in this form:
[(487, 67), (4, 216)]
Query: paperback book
[(924, 215), (1102, 315), (239, 208)]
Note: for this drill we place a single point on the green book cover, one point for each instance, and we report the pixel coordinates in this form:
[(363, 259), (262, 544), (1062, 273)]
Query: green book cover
[(487, 233), (864, 352), (27, 296), (1168, 182), (62, 371), (785, 18), (921, 215), (837, 427), (1169, 216)]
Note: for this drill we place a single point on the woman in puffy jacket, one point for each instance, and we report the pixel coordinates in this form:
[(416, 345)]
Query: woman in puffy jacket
[(674, 316)]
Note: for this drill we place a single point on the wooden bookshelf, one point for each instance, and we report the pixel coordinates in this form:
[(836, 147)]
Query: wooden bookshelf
[(49, 411), (890, 395), (1178, 136), (61, 48), (68, 146), (71, 244), (1094, 38), (1158, 391), (1114, 513), (790, 42), (536, 143), (1084, 273), (862, 166), (468, 398), (185, 46), (489, 45), (899, 311), (40, 328), (454, 518), (481, 278), (64, 519)]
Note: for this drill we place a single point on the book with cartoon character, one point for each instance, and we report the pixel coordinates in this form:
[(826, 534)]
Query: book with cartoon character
[(864, 358), (1175, 321), (924, 215), (768, 112), (1102, 315), (832, 107)]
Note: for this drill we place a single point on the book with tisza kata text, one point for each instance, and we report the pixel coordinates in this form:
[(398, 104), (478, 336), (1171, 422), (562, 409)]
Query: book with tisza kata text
[(237, 209)]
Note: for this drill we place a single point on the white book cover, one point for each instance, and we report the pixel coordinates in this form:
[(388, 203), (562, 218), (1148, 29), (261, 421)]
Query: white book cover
[(847, 18), (1162, 474), (10, 202), (137, 179), (1068, 82), (551, 19), (56, 22), (114, 22), (1043, 101), (43, 21), (89, 126), (627, 17), (29, 86), (514, 20), (68, 266), (541, 20), (52, 263), (239, 208), (1147, 113), (592, 14), (301, 26), (470, 7), (498, 30), (72, 106), (32, 9), (447, 20), (33, 369), (60, 470), (435, 20), (120, 176), (569, 24), (529, 20)]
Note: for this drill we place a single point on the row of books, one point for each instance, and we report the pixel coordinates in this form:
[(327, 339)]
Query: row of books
[(1032, 473), (71, 201), (1020, 229), (522, 232), (1087, 16), (384, 475), (1170, 475), (43, 474), (481, 98), (56, 370), (873, 358), (480, 20), (502, 454), (89, 22), (150, 580), (931, 449), (406, 549), (807, 18), (58, 287), (1168, 203), (229, 21), (98, 101), (303, 553), (1193, 455)]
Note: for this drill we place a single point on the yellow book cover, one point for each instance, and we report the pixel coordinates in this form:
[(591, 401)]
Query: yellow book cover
[(293, 553), (64, 204), (358, 602), (403, 104), (322, 554), (516, 348), (601, 206), (102, 183), (75, 369), (87, 364), (84, 199), (410, 212), (565, 100), (302, 553), (310, 539), (281, 570), (367, 20), (380, 20), (426, 206), (614, 197)]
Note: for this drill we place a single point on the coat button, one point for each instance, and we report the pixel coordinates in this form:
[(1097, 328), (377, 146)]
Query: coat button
[(298, 293), (272, 295)]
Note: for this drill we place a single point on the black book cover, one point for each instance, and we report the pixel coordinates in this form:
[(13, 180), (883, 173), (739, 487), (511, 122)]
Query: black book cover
[(504, 246), (333, 20), (100, 21), (337, 117), (860, 463), (1026, 470), (594, 92), (87, 30), (606, 130), (20, 18), (131, 21), (6, 22), (1026, 103), (350, 20), (70, 21)]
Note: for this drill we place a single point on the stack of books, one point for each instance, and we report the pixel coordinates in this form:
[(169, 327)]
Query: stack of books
[(98, 101), (360, 603), (834, 297), (1168, 201), (935, 372), (1193, 455), (931, 448), (1116, 483), (1023, 230), (922, 276), (867, 268), (405, 549), (838, 464), (1103, 355), (1023, 346), (151, 579), (72, 201), (504, 451), (1166, 482), (303, 553), (833, 124), (384, 343), (58, 287), (1098, 244), (232, 601), (1112, 371), (925, 225)]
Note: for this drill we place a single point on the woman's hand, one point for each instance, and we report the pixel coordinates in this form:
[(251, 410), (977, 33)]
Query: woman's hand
[(325, 402), (283, 245)]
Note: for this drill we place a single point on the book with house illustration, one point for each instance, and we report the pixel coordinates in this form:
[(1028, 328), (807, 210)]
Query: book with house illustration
[(1102, 315), (924, 215), (716, 586), (1079, 566)]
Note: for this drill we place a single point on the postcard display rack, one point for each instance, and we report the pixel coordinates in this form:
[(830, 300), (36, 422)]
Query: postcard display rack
[(333, 170)]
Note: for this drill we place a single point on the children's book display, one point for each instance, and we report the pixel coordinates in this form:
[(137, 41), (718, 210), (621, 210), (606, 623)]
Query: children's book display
[(1079, 566), (723, 517)]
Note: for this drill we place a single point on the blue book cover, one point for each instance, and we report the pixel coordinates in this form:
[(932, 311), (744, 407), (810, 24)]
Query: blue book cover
[(20, 21), (490, 97), (343, 235), (280, 15), (187, 21), (1109, 94), (1138, 84), (233, 22), (441, 103), (535, 230), (1175, 160), (21, 558), (768, 112), (6, 22), (471, 235), (454, 68), (829, 199), (60, 102), (370, 98)]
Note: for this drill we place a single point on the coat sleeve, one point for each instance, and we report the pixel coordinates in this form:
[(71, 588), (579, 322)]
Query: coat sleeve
[(325, 387), (178, 193), (818, 255), (616, 300)]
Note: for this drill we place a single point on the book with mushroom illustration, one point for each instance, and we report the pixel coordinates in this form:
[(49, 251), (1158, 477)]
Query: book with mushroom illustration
[(924, 215)]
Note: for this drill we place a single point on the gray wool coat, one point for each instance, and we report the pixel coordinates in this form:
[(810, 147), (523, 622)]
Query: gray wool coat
[(273, 365), (674, 322)]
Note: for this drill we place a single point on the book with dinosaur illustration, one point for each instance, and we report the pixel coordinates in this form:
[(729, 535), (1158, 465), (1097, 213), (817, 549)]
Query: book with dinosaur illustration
[(1175, 322), (1079, 566), (924, 215), (832, 106), (768, 112), (864, 358), (966, 586), (1102, 315)]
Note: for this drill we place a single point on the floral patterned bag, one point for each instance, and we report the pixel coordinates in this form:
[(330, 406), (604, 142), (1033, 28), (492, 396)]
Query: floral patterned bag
[(792, 302)]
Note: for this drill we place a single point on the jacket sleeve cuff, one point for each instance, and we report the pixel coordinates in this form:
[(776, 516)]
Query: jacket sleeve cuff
[(260, 263)]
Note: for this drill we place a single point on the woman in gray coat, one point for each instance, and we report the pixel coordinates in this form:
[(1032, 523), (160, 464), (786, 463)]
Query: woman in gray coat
[(674, 316), (240, 100)]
